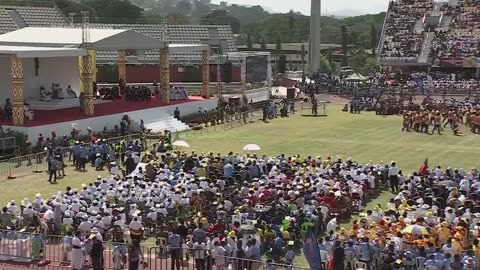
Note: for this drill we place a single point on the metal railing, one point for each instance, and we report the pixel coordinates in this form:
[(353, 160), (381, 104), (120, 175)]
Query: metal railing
[(26, 247), (36, 163)]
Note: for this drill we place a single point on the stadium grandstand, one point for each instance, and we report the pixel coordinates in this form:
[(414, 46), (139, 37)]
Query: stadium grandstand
[(425, 34)]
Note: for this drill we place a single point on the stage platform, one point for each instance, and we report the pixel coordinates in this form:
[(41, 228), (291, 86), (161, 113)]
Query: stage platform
[(109, 115), (58, 104)]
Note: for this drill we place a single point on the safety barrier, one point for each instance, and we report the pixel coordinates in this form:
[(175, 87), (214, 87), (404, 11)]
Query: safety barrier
[(58, 249), (20, 246), (37, 163)]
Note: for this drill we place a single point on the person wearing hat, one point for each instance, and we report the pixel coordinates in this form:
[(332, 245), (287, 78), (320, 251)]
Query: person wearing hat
[(443, 233)]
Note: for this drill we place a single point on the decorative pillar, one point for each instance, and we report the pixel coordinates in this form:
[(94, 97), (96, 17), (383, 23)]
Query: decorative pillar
[(206, 73), (122, 66), (16, 73), (87, 76), (243, 75), (165, 76)]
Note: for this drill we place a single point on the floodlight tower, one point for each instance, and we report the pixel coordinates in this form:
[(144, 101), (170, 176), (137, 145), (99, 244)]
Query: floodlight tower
[(314, 42)]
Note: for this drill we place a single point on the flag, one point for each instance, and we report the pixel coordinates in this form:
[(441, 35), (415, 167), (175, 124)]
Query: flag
[(311, 250), (424, 167)]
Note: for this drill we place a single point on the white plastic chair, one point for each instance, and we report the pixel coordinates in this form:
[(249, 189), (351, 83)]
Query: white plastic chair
[(349, 260), (420, 261), (360, 265), (324, 258)]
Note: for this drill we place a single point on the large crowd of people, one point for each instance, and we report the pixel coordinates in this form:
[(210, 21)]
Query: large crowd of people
[(462, 38), (401, 42)]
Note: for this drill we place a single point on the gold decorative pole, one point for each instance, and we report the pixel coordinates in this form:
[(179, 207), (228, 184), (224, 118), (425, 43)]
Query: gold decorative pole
[(16, 73), (205, 73), (122, 66), (87, 76), (165, 76)]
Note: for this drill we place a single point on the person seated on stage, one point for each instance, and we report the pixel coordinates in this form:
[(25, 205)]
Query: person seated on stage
[(8, 109), (71, 93), (57, 92), (146, 95), (45, 95), (128, 93), (174, 93), (29, 113), (156, 90), (183, 93)]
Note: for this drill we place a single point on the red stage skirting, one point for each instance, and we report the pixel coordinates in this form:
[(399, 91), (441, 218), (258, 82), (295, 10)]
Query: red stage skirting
[(114, 107)]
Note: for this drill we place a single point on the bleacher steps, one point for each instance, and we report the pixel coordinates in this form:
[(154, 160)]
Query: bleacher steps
[(19, 21), (419, 26), (426, 46)]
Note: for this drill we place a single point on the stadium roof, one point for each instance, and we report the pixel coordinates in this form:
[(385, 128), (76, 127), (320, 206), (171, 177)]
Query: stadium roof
[(101, 39), (32, 52)]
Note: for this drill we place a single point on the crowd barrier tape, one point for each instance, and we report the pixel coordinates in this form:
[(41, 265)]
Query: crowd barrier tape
[(37, 163)]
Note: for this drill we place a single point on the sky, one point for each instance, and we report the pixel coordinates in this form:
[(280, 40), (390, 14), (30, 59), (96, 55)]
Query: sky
[(342, 7)]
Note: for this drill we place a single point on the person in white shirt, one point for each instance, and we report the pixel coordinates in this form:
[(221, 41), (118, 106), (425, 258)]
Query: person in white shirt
[(29, 212), (393, 176), (219, 253), (67, 220)]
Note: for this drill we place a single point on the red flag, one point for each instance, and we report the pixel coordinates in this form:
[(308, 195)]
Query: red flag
[(424, 167)]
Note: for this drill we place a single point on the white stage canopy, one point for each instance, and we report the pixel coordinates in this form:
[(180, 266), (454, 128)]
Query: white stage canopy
[(101, 39), (40, 52)]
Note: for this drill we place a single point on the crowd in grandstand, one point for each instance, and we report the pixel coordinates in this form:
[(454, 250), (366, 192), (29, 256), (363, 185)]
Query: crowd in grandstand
[(463, 37), (401, 42)]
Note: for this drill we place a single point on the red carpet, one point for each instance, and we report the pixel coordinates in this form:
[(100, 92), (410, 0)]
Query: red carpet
[(114, 107)]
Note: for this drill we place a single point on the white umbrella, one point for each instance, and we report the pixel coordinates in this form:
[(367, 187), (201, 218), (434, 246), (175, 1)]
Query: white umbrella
[(181, 144), (252, 147)]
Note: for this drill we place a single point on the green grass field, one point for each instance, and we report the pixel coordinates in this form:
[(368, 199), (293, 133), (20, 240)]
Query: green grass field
[(363, 137)]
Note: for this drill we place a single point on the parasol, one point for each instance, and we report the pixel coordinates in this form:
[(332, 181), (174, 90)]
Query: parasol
[(252, 147), (415, 229), (448, 183), (180, 144)]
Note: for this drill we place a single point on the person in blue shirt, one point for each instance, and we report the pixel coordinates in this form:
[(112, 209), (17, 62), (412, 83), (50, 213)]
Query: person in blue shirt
[(228, 169), (278, 245), (366, 251), (175, 243)]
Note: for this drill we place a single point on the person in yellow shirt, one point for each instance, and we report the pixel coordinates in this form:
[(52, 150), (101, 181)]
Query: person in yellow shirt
[(443, 233), (457, 244)]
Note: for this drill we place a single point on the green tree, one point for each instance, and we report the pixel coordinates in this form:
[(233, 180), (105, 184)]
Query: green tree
[(329, 55), (220, 16), (373, 38), (291, 20), (184, 7), (114, 8), (278, 45), (200, 9), (249, 42), (263, 45), (325, 65), (67, 7), (344, 46)]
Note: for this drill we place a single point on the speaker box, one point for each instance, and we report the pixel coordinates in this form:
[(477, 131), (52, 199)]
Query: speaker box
[(227, 72), (290, 93)]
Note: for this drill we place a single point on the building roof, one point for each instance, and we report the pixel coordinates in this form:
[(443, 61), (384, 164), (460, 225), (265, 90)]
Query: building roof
[(31, 52)]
